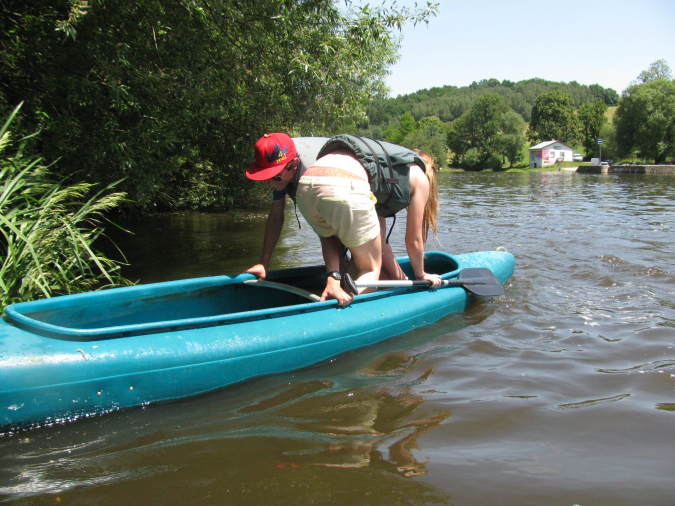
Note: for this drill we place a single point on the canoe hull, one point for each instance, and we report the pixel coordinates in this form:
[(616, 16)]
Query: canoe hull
[(47, 379)]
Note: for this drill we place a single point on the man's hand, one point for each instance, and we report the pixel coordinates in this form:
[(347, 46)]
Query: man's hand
[(258, 270), (334, 291)]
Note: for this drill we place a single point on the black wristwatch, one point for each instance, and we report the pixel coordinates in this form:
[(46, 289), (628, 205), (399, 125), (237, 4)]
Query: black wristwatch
[(334, 274)]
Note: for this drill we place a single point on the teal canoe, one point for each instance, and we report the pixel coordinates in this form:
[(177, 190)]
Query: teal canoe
[(86, 354)]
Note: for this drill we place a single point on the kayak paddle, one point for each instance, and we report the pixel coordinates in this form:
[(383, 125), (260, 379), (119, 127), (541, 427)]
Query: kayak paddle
[(477, 280)]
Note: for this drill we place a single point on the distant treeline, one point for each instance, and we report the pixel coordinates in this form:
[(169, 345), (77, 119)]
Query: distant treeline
[(450, 102)]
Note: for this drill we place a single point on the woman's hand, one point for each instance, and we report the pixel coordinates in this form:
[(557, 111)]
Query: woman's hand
[(434, 278)]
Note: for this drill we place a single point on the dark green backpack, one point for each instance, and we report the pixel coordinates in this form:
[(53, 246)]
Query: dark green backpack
[(387, 168)]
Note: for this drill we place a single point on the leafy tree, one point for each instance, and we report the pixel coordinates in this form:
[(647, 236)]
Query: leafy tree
[(609, 96), (490, 127), (553, 117), (512, 123), (473, 160), (171, 94), (493, 163), (592, 118), (645, 120), (609, 145), (486, 115), (396, 133), (460, 138), (429, 137), (511, 141), (657, 70), (479, 126), (510, 147)]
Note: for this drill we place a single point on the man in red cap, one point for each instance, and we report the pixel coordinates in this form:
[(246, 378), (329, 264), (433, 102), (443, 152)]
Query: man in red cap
[(335, 199)]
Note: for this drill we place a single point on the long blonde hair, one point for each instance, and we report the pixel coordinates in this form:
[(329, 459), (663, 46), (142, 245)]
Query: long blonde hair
[(431, 208)]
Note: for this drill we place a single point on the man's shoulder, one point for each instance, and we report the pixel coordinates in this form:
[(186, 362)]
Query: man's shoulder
[(308, 148), (309, 142)]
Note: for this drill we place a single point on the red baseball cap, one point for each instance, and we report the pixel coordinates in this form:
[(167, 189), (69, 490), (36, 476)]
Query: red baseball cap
[(272, 153)]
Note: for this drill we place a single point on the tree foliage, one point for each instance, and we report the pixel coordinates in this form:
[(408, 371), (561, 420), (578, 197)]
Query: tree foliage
[(172, 94), (592, 118), (645, 120), (429, 137), (397, 132), (511, 140), (610, 148), (657, 70), (553, 117), (450, 102), (489, 128)]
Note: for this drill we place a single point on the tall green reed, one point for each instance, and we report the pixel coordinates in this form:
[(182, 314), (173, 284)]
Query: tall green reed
[(48, 229)]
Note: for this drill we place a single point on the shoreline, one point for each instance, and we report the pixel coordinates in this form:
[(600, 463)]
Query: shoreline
[(626, 169)]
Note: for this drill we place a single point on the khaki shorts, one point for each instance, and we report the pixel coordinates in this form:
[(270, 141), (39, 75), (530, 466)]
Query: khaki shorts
[(339, 206)]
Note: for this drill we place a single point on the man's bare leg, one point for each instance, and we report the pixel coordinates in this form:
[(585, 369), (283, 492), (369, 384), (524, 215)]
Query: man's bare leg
[(367, 262)]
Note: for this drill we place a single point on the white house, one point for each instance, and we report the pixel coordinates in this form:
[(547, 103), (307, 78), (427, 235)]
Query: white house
[(549, 153)]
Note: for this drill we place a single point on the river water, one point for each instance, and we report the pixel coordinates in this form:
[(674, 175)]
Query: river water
[(562, 392)]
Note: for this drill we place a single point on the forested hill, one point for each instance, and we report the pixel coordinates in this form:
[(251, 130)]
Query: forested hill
[(450, 102)]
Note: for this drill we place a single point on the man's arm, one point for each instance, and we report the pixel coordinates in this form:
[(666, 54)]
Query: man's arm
[(275, 222), (330, 247)]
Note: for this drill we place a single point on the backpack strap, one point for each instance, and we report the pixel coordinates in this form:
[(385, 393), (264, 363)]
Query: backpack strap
[(381, 179), (380, 176), (392, 180)]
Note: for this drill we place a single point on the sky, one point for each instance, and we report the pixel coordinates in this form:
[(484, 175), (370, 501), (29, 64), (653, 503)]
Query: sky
[(605, 42)]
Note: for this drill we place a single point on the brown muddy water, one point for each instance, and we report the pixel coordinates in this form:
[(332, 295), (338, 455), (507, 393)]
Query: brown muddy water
[(562, 392)]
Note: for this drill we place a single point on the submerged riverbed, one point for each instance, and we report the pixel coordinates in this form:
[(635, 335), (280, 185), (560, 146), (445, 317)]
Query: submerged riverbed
[(562, 392)]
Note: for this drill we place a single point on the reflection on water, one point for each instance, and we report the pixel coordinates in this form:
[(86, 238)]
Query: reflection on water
[(560, 392)]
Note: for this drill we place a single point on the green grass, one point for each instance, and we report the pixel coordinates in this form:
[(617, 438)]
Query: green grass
[(47, 231)]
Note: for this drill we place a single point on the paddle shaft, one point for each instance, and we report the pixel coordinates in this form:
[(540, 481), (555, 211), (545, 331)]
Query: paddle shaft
[(477, 280), (419, 282)]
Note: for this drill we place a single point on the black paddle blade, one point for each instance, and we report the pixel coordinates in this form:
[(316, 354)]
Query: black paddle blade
[(348, 284), (481, 281)]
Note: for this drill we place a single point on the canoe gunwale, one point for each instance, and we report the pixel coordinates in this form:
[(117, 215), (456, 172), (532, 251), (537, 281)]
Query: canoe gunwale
[(70, 334), (15, 317)]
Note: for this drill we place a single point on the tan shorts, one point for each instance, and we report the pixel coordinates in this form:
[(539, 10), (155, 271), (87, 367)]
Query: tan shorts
[(339, 206)]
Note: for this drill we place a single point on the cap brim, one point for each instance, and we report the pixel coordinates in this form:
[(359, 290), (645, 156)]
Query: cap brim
[(257, 174)]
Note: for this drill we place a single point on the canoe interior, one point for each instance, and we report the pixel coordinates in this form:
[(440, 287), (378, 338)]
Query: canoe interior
[(200, 303), (179, 304)]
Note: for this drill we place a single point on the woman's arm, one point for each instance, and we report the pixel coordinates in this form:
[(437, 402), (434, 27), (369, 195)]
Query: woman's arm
[(414, 236)]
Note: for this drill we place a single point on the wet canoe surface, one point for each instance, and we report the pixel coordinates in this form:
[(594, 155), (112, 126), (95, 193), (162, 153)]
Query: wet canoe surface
[(90, 353)]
